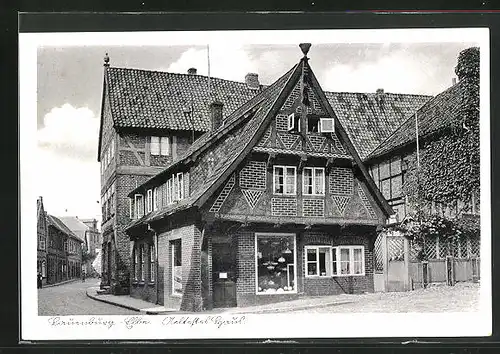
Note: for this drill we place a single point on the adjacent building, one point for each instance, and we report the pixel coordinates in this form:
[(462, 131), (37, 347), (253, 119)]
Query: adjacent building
[(86, 229), (42, 235), (64, 252)]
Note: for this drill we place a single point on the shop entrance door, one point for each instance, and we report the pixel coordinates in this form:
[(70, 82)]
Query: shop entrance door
[(224, 275)]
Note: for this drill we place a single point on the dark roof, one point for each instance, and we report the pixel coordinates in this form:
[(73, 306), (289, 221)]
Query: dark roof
[(58, 224), (253, 105), (436, 114), (368, 119), (229, 149), (153, 99)]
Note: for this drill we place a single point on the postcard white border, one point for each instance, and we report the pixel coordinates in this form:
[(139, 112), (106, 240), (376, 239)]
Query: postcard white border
[(35, 327)]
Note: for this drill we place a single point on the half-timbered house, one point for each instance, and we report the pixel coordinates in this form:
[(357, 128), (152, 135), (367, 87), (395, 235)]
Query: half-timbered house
[(274, 202)]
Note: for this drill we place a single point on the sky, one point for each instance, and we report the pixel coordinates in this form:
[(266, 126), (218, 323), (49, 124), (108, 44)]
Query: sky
[(69, 93)]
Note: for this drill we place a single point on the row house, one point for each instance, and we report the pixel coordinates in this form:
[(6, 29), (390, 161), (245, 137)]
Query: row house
[(64, 252), (273, 203), (42, 234), (151, 119), (86, 230)]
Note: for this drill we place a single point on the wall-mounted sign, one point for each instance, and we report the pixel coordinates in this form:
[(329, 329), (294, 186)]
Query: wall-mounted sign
[(222, 275)]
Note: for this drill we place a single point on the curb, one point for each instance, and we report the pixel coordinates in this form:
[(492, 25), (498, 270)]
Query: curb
[(60, 283), (94, 297)]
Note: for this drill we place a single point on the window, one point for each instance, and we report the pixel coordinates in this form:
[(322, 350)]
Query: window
[(275, 263), (65, 246), (327, 125), (351, 260), (130, 208), (176, 267), (313, 124), (180, 186), (293, 123), (41, 241), (285, 180), (149, 200), (155, 198), (169, 191), (143, 261), (318, 261), (313, 181), (389, 177), (139, 205), (160, 145), (136, 263), (152, 263), (326, 261), (44, 269)]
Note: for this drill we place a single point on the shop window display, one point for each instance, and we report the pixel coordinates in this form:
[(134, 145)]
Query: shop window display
[(275, 264)]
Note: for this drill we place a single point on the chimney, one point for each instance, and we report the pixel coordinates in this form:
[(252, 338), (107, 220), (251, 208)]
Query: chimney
[(380, 92), (468, 64), (192, 71), (216, 115), (252, 81), (454, 81)]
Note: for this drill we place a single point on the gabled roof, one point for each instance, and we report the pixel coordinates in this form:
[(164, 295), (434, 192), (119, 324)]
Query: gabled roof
[(58, 224), (237, 146), (157, 100), (369, 118), (436, 114)]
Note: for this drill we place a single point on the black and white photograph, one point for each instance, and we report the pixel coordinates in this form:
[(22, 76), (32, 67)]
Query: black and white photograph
[(255, 184)]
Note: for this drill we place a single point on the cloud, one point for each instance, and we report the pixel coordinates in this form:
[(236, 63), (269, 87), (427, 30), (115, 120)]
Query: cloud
[(70, 131), (398, 72), (68, 174), (229, 62), (69, 186)]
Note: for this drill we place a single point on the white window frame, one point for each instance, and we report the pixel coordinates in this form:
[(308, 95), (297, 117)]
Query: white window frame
[(256, 263), (155, 198), (313, 175), (331, 270), (180, 186), (151, 263), (143, 268), (284, 180), (351, 249), (169, 191), (130, 208), (326, 119), (136, 263), (163, 145), (149, 200), (329, 267), (173, 246), (138, 200)]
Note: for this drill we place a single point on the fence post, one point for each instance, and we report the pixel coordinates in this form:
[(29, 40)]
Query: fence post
[(406, 253), (385, 261)]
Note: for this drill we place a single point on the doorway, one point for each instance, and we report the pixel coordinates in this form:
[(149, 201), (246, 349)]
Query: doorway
[(224, 274)]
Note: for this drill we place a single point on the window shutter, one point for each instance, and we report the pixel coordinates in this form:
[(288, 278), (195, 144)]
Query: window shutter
[(327, 125)]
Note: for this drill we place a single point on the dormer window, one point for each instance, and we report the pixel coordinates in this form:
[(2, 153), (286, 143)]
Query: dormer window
[(160, 145)]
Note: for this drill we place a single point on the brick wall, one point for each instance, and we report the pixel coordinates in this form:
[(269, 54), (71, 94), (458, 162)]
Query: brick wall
[(197, 292), (281, 122), (341, 181), (316, 286), (253, 175), (313, 207), (145, 290), (284, 206)]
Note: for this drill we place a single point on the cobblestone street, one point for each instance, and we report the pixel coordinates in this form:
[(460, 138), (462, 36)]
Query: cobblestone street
[(71, 299)]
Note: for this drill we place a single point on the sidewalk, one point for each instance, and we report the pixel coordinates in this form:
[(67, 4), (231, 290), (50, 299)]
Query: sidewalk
[(128, 302), (60, 283), (145, 307), (305, 303)]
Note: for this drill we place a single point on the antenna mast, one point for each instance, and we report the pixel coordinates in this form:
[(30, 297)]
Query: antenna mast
[(208, 61)]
